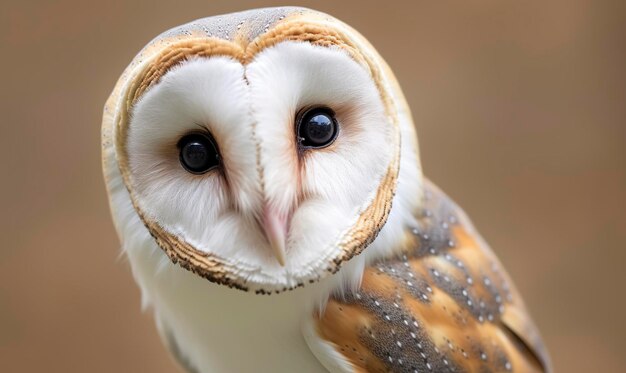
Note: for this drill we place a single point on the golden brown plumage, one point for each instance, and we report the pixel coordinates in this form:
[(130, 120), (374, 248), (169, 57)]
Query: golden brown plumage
[(444, 305)]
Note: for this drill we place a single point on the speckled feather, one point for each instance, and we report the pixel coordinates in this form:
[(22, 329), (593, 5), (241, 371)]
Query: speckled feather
[(444, 305)]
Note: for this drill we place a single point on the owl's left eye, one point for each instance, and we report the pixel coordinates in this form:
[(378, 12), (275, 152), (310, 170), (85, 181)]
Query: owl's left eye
[(317, 127), (198, 153)]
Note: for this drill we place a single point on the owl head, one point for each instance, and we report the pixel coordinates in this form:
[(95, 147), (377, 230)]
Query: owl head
[(261, 150)]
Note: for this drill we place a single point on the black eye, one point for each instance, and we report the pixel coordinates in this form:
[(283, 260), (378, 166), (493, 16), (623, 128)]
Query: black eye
[(198, 153), (317, 127)]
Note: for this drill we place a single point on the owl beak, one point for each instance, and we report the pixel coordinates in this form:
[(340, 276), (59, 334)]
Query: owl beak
[(275, 227)]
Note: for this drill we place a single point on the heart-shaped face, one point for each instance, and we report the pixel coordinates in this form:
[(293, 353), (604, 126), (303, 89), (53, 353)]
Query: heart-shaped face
[(261, 158)]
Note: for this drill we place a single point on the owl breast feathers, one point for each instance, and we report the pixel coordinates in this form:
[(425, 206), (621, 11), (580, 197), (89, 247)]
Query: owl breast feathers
[(265, 181)]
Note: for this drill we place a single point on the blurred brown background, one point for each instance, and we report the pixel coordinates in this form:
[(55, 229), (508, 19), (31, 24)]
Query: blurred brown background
[(520, 108)]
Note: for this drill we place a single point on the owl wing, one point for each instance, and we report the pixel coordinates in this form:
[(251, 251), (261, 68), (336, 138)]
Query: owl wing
[(444, 305)]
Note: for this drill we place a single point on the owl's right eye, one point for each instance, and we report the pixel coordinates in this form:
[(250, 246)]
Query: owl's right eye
[(198, 153)]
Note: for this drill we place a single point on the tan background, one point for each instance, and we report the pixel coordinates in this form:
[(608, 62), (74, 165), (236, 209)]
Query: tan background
[(520, 108)]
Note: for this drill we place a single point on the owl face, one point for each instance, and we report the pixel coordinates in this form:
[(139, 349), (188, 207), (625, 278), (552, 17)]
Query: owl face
[(260, 170)]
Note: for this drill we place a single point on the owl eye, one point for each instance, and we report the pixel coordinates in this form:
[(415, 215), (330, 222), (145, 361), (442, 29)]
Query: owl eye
[(198, 153), (317, 127)]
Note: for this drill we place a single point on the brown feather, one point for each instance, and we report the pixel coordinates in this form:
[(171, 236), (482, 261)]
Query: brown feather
[(444, 305)]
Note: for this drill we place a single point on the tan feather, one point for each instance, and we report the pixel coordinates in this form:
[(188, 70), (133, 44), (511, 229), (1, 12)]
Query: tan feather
[(444, 305)]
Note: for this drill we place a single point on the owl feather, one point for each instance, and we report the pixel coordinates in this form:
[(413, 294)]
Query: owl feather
[(264, 178)]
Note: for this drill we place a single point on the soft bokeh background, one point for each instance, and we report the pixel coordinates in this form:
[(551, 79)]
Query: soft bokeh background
[(520, 109)]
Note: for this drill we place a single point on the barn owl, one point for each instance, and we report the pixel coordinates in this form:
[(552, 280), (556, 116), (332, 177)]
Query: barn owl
[(264, 179)]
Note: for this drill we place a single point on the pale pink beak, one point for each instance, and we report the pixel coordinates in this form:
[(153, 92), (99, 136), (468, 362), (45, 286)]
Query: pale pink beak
[(275, 227)]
